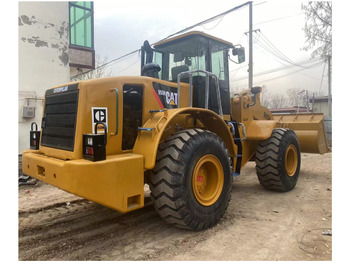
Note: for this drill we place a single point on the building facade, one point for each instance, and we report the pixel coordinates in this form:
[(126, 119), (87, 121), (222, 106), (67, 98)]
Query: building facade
[(320, 105), (55, 42)]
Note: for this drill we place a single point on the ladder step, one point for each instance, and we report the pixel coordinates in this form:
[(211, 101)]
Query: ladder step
[(156, 111), (145, 128)]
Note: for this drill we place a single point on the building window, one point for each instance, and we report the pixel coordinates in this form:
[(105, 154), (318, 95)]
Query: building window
[(81, 24)]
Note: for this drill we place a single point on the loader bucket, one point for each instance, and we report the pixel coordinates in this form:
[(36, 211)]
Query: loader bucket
[(309, 129)]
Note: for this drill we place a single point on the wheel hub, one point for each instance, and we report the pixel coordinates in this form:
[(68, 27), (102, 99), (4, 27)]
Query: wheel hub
[(207, 180), (291, 160)]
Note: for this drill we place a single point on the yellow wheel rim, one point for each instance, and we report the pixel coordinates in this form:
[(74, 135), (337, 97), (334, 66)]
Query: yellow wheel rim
[(291, 160), (207, 180)]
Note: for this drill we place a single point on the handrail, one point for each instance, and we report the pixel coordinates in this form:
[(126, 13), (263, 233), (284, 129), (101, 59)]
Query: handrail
[(117, 111), (207, 75)]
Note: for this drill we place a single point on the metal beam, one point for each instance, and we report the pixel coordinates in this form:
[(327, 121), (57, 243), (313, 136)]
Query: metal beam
[(250, 84)]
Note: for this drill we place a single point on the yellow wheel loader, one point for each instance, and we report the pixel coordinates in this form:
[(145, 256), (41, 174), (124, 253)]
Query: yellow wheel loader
[(174, 127)]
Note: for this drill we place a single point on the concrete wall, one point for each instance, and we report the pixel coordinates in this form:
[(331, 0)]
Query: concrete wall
[(321, 107), (43, 57)]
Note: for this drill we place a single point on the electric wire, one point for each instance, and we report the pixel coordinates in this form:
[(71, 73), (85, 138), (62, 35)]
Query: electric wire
[(279, 18), (215, 24), (266, 44), (291, 73), (178, 32), (127, 67), (208, 20), (315, 64), (236, 71), (288, 66), (276, 53), (271, 48), (324, 67), (108, 63), (278, 77)]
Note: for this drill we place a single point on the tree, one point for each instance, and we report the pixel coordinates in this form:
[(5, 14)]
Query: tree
[(265, 97), (98, 72), (272, 101), (293, 97), (278, 101), (318, 28), (298, 97)]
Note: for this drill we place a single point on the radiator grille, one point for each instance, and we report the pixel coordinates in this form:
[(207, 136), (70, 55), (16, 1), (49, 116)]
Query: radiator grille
[(59, 121)]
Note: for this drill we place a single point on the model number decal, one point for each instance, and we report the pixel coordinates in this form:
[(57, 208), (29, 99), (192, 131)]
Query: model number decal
[(60, 89), (166, 95)]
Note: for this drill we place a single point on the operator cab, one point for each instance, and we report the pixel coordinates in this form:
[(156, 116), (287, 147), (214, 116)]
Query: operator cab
[(189, 52)]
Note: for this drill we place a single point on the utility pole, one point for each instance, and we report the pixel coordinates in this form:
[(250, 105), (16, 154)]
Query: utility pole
[(329, 86), (250, 44)]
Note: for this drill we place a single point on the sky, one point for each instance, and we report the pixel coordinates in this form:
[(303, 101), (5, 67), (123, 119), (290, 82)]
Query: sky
[(122, 27)]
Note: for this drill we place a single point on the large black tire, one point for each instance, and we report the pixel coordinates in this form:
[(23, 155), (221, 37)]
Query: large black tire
[(278, 160), (191, 181)]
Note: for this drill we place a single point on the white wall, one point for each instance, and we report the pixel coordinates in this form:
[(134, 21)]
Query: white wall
[(43, 57), (321, 107)]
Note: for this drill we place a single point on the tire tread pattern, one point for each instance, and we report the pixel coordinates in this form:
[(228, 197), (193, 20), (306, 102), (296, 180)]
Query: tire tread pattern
[(166, 180), (269, 161)]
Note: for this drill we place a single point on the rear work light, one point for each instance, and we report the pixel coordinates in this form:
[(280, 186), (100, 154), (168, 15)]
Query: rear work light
[(94, 145), (34, 137)]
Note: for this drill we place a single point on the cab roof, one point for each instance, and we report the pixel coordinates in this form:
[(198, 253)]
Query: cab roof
[(189, 35)]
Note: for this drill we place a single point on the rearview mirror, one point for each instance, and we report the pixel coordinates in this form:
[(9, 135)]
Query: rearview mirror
[(240, 52)]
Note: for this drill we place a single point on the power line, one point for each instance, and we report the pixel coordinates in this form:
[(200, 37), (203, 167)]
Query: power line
[(127, 67), (281, 76), (178, 32), (279, 18), (214, 25), (114, 60), (289, 66), (291, 73), (324, 67), (208, 20), (316, 64), (271, 48)]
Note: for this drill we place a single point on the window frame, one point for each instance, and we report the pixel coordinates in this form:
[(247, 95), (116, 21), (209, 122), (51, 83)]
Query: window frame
[(91, 10)]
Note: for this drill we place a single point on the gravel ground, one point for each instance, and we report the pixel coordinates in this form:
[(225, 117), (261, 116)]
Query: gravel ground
[(258, 224)]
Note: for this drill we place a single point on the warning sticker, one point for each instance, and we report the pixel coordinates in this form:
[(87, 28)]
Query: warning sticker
[(99, 114)]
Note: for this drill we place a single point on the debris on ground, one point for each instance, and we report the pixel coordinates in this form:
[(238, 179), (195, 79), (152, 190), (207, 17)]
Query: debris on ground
[(327, 232)]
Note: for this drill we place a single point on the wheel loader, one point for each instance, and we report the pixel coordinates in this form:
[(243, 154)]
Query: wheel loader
[(175, 127)]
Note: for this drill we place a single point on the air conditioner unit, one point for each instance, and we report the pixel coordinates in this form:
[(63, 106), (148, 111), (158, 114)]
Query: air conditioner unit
[(28, 112)]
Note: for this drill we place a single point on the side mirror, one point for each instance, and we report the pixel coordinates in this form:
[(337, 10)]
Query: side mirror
[(149, 52), (240, 52)]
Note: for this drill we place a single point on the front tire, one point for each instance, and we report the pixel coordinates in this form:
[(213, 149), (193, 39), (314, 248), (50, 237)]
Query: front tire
[(278, 160), (191, 181)]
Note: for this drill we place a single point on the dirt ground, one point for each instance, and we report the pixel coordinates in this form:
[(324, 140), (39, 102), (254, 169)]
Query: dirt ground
[(258, 224)]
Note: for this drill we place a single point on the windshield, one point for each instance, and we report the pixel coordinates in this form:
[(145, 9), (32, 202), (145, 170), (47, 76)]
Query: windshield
[(194, 52), (188, 54)]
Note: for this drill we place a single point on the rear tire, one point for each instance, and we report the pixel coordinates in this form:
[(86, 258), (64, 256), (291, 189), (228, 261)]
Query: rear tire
[(191, 181), (278, 160)]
